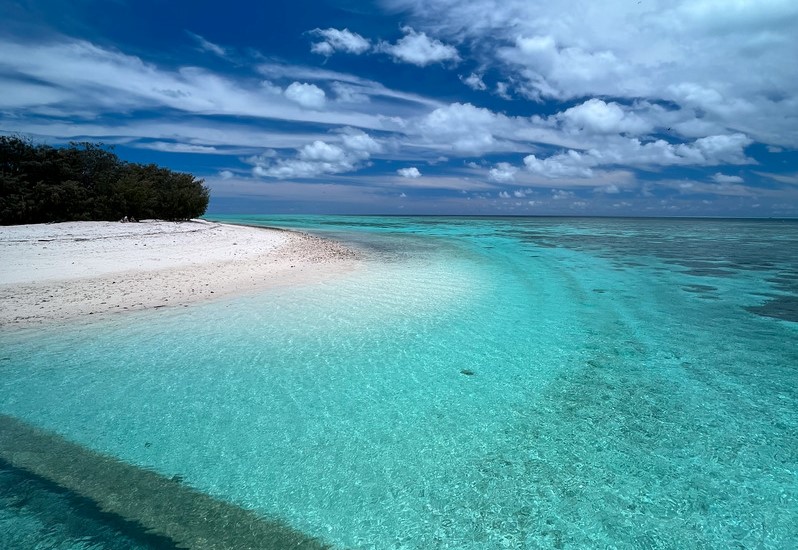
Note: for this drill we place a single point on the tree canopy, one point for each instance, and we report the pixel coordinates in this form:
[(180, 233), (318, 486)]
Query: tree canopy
[(85, 181)]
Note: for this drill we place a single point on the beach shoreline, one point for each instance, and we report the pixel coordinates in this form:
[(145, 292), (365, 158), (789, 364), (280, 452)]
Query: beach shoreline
[(54, 273)]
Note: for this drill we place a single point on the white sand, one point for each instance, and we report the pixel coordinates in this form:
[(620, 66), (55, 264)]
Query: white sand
[(62, 271)]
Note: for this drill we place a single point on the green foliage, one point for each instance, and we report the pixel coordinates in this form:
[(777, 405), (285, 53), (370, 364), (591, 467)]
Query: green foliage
[(84, 181)]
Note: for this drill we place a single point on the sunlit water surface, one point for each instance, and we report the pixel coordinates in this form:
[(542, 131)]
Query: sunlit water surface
[(477, 383)]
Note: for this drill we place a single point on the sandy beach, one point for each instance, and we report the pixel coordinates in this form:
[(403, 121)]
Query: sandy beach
[(63, 271)]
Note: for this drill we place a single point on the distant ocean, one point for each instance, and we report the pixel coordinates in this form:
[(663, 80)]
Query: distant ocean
[(479, 383)]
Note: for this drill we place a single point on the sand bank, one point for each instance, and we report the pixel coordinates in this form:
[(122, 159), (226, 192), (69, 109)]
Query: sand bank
[(56, 272)]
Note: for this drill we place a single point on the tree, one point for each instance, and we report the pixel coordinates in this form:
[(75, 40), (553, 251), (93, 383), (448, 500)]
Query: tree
[(85, 181)]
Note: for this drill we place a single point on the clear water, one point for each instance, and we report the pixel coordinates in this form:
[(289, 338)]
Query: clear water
[(478, 383)]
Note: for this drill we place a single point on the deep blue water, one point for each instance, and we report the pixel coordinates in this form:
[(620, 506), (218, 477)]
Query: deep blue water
[(477, 383)]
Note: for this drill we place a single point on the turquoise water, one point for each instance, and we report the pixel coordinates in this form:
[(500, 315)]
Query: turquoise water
[(478, 383)]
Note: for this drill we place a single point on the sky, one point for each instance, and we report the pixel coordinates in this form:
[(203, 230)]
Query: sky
[(484, 107)]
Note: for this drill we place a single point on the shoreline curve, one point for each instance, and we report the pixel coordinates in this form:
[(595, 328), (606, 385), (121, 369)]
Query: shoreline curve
[(53, 273)]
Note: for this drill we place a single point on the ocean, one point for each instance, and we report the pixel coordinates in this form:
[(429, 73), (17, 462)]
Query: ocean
[(477, 383)]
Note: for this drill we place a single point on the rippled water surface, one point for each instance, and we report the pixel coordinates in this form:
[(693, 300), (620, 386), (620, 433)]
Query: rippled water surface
[(478, 383)]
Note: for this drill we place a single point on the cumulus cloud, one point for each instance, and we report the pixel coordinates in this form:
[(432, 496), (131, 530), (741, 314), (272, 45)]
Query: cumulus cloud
[(722, 61), (565, 165), (334, 40), (320, 157), (560, 194), (707, 151), (306, 95), (594, 125), (419, 49), (504, 195), (226, 174), (359, 142), (319, 151), (503, 172), (503, 90), (411, 172), (474, 81), (462, 127), (596, 116), (610, 189)]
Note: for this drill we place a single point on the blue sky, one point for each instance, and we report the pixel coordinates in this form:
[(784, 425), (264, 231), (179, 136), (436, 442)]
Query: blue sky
[(514, 107)]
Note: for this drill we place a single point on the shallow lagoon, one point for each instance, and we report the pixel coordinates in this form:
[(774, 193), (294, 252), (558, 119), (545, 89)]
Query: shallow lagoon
[(480, 382)]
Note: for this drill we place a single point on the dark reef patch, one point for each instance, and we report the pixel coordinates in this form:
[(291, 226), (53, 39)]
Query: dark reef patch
[(782, 307)]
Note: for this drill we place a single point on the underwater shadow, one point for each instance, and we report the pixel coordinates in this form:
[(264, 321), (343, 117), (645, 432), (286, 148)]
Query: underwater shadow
[(139, 502)]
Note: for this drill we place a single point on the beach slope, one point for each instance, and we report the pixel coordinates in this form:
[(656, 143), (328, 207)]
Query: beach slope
[(62, 271)]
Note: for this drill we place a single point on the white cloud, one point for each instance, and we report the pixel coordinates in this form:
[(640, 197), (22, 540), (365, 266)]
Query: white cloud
[(170, 147), (469, 130), (703, 188), (596, 116), (262, 158), (504, 195), (474, 81), (610, 189), (411, 172), (226, 174), (791, 179), (319, 157), (503, 172), (368, 87), (419, 49), (359, 142), (707, 151), (461, 127), (306, 95), (564, 165), (207, 46), (339, 40), (270, 88), (721, 61), (81, 81), (319, 151), (347, 93), (723, 178), (559, 194)]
